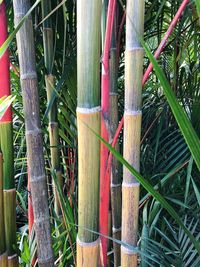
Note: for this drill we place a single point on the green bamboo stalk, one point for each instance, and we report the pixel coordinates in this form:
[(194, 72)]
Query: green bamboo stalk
[(132, 128), (28, 79), (50, 83), (116, 199), (88, 116), (3, 252)]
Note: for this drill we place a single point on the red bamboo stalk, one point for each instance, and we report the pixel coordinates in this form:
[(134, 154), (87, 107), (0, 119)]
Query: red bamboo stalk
[(150, 68), (4, 66), (105, 90)]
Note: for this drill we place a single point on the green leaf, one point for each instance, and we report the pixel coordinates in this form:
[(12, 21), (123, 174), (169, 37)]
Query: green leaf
[(198, 6), (152, 191), (184, 123), (5, 102)]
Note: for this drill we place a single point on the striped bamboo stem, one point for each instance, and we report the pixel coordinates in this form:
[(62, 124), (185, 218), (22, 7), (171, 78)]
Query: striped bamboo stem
[(115, 172), (6, 146), (88, 117), (105, 133), (132, 128), (28, 79), (50, 82), (149, 69), (3, 252)]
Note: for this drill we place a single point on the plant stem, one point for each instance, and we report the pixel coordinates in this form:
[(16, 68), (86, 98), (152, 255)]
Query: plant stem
[(29, 85), (88, 116), (115, 173), (50, 82), (132, 128), (149, 69), (105, 132)]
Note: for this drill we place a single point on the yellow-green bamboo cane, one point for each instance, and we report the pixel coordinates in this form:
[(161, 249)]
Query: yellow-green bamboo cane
[(132, 128), (88, 116)]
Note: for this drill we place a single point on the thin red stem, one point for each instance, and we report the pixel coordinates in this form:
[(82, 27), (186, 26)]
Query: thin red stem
[(105, 91), (4, 63), (165, 38)]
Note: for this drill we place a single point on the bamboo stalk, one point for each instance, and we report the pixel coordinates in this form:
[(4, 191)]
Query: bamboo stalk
[(6, 146), (3, 252), (132, 128), (105, 134), (28, 79), (50, 82), (115, 172), (88, 117), (149, 69)]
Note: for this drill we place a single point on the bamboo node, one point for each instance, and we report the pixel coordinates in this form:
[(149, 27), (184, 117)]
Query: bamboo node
[(13, 190), (134, 184), (12, 257), (129, 251), (91, 244), (116, 230), (115, 185), (35, 179), (29, 75), (88, 110), (113, 94), (41, 219), (34, 132), (53, 123), (133, 112), (135, 49)]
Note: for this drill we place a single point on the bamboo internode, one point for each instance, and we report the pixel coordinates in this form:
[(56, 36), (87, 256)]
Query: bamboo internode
[(132, 128), (88, 148), (88, 254)]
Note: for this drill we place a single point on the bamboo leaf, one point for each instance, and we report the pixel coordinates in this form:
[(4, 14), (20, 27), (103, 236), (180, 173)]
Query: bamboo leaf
[(152, 191), (5, 102), (184, 123), (198, 6)]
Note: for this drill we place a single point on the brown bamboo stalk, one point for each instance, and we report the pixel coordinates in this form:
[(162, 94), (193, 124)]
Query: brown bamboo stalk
[(29, 85), (132, 128)]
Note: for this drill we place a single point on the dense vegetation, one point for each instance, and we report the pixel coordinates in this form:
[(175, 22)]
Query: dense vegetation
[(169, 202)]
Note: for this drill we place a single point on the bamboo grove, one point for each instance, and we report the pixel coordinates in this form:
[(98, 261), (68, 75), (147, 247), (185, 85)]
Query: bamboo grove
[(99, 150)]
